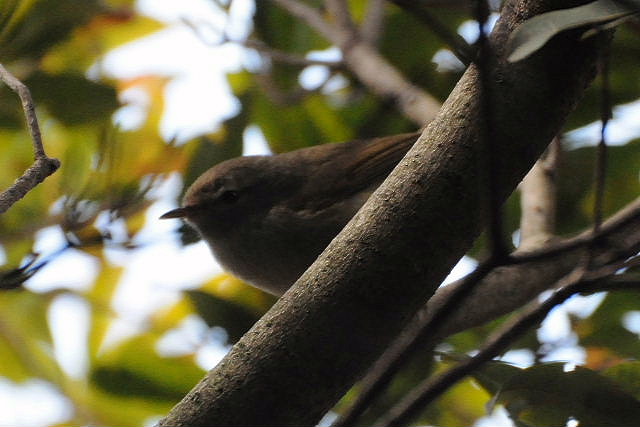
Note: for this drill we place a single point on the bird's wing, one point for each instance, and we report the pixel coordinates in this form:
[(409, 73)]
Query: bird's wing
[(357, 167), (377, 159)]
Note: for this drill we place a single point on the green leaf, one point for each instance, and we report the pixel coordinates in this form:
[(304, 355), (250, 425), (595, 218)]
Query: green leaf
[(546, 395), (72, 98), (215, 148), (36, 26), (627, 375), (286, 127), (100, 296), (135, 369), (327, 118), (576, 189), (537, 31), (278, 29), (109, 31), (604, 328), (414, 59), (234, 318), (25, 340), (493, 375)]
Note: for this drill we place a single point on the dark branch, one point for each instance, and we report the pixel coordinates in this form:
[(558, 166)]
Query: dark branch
[(43, 165)]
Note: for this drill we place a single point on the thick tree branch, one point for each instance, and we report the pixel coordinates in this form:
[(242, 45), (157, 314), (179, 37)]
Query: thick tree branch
[(306, 352), (43, 165)]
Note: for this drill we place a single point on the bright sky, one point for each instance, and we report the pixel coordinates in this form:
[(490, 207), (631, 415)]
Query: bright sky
[(198, 99)]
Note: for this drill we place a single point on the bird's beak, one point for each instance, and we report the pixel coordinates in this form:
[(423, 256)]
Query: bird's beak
[(185, 212), (178, 213)]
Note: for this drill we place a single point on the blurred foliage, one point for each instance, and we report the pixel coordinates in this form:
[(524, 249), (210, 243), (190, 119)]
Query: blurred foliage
[(533, 34), (110, 173), (554, 393)]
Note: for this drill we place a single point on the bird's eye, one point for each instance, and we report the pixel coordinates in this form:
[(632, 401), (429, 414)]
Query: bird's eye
[(229, 196), (208, 189)]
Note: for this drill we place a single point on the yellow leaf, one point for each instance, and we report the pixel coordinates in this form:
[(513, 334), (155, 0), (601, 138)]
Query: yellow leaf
[(227, 287), (25, 335), (90, 42), (171, 317), (100, 296)]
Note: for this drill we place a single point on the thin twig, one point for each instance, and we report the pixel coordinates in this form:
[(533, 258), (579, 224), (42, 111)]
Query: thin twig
[(601, 161), (509, 287), (577, 281), (377, 380), (289, 58), (275, 55), (492, 166), (587, 238), (405, 347), (277, 95), (43, 166), (460, 48), (422, 332)]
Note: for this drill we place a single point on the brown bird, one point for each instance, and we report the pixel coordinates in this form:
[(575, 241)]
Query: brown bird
[(267, 218)]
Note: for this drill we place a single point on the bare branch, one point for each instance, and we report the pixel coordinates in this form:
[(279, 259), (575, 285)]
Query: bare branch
[(371, 28), (43, 165), (509, 287), (601, 161), (577, 281), (360, 58), (288, 58), (273, 54), (491, 291), (387, 81), (417, 336), (340, 12), (583, 278), (538, 200)]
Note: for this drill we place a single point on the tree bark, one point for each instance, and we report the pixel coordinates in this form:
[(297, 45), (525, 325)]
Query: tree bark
[(510, 287), (320, 337)]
